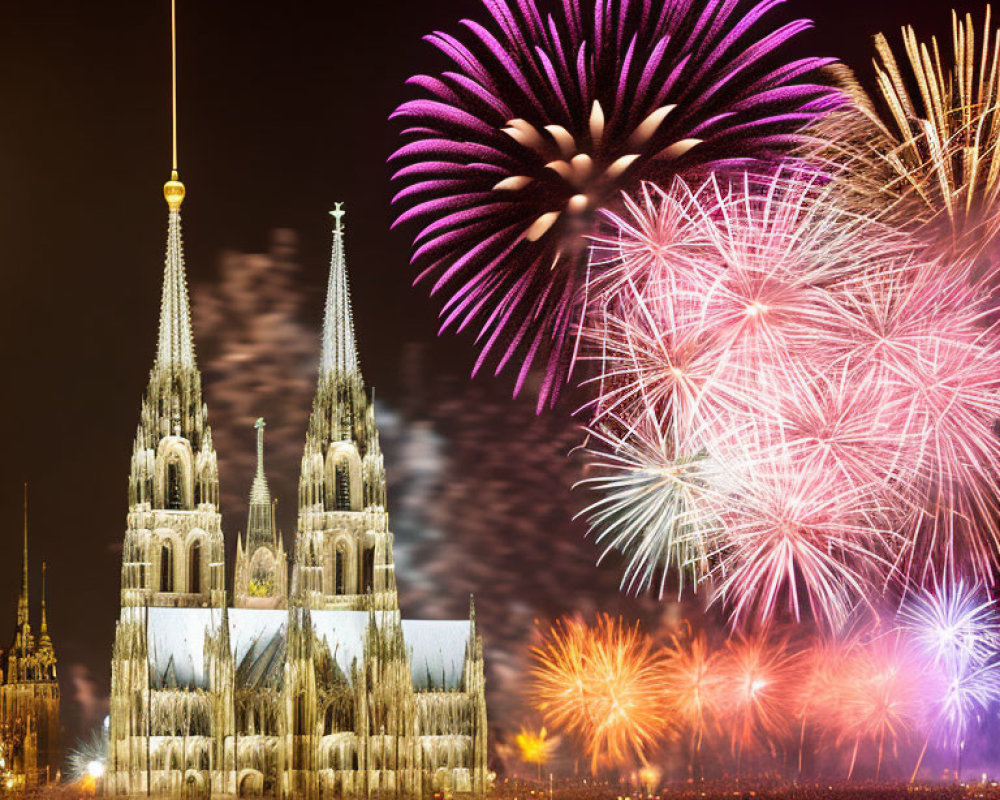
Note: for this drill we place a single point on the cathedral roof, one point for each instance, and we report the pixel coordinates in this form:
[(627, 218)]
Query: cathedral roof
[(177, 651)]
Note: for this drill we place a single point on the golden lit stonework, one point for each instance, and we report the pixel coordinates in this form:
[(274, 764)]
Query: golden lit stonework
[(173, 192)]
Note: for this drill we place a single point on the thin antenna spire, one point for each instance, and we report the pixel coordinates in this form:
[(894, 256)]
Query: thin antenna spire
[(22, 602), (175, 347), (173, 190), (173, 76)]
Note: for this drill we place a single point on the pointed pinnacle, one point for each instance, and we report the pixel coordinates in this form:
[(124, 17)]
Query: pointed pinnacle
[(340, 356), (45, 622)]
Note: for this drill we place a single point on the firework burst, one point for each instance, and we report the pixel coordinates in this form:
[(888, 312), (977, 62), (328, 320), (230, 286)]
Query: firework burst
[(693, 684), (652, 503), (953, 625), (546, 118), (882, 697), (927, 162), (604, 685), (820, 392), (756, 672), (536, 747)]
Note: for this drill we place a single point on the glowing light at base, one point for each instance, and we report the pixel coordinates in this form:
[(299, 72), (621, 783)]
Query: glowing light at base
[(535, 747)]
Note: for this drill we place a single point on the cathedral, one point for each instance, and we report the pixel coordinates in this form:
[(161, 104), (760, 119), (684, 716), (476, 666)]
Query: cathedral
[(303, 683), (29, 696)]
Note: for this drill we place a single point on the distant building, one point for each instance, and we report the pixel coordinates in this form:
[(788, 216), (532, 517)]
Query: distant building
[(316, 689), (29, 698)]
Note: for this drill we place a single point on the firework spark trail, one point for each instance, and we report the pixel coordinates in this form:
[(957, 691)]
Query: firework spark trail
[(930, 162), (652, 503), (842, 387), (510, 156), (604, 685)]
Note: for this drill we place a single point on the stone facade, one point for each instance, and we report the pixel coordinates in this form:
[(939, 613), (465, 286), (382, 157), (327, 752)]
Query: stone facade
[(316, 689), (29, 697)]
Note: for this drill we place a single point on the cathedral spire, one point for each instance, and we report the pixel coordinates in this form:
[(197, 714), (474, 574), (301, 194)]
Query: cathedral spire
[(22, 601), (175, 347), (259, 493), (44, 628), (340, 354), (260, 524)]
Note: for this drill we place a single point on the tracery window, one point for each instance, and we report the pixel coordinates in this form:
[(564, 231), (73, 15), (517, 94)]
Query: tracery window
[(342, 486), (340, 569), (175, 498), (167, 568), (194, 567), (368, 569)]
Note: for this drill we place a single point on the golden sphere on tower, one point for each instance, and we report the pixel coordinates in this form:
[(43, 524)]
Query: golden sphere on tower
[(173, 192)]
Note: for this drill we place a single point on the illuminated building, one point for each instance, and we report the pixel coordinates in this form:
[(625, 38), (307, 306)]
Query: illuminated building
[(29, 696), (318, 689)]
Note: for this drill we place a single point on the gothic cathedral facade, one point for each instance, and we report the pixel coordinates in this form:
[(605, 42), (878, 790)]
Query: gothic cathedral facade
[(313, 687)]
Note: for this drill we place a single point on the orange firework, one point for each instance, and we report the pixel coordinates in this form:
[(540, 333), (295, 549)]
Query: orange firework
[(693, 684), (604, 684), (757, 671)]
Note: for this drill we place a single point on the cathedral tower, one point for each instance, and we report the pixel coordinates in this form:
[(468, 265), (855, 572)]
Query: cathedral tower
[(261, 577), (173, 553), (29, 692), (343, 547)]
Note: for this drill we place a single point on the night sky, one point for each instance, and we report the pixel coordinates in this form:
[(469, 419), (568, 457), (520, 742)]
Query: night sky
[(283, 110)]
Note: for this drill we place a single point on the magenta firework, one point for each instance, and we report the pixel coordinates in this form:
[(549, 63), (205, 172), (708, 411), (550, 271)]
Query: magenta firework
[(544, 118)]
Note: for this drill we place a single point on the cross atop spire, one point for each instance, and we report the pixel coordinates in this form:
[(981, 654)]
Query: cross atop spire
[(340, 354)]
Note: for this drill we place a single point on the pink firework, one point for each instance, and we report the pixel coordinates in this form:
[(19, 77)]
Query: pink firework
[(794, 533), (882, 698), (846, 386)]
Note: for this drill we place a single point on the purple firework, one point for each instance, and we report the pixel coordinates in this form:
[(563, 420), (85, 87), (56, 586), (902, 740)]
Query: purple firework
[(545, 119)]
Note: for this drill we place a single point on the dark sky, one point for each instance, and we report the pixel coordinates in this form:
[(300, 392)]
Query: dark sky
[(283, 110)]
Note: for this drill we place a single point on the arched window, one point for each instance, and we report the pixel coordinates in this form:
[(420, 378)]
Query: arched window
[(167, 568), (194, 568), (342, 486), (175, 499), (340, 569), (368, 569), (343, 478), (300, 713)]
